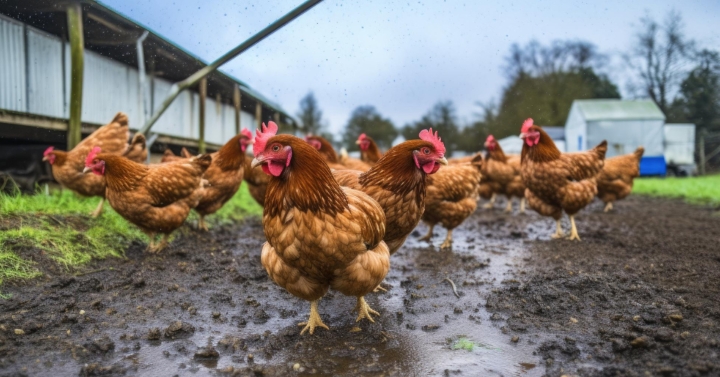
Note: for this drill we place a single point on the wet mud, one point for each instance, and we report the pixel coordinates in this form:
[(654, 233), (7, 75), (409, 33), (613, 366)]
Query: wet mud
[(638, 296)]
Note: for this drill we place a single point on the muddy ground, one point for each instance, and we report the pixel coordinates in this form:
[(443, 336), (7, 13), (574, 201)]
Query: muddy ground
[(639, 296)]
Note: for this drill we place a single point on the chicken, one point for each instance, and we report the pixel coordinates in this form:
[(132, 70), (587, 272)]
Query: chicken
[(224, 175), (319, 235), (156, 198), (555, 181), (326, 151), (256, 181), (352, 163), (452, 196), (504, 172), (169, 156), (397, 183), (369, 151), (461, 160), (67, 167), (615, 180)]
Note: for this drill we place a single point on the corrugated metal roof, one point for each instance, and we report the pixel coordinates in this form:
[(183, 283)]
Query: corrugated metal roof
[(616, 109)]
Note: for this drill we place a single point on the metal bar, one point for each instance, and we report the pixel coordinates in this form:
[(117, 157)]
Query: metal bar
[(194, 78), (75, 34), (702, 152), (201, 119), (142, 92), (237, 100), (258, 115)]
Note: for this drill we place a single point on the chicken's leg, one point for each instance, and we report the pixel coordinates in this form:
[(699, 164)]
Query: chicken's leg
[(558, 230), (573, 230), (428, 236), (151, 244), (491, 203), (99, 208), (522, 205), (314, 320), (508, 206), (447, 244), (608, 207), (201, 224), (364, 310)]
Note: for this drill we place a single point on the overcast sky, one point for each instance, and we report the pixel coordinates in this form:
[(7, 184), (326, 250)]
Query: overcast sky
[(400, 56)]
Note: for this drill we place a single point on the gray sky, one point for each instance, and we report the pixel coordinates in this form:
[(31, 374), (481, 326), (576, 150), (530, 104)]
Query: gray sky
[(400, 56)]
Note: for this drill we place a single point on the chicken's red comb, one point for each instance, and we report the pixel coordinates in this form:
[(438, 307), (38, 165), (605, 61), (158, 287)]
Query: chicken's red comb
[(526, 125), (362, 137), (91, 156), (261, 138), (428, 135), (490, 138), (245, 132), (48, 151)]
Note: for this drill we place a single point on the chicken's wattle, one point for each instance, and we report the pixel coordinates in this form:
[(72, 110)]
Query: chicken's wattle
[(429, 168)]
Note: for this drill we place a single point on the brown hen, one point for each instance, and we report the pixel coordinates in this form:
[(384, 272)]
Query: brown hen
[(319, 235), (369, 151), (502, 173), (556, 181), (615, 180)]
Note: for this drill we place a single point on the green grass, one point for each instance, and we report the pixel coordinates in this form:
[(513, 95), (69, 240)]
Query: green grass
[(464, 344), (697, 190), (59, 225)]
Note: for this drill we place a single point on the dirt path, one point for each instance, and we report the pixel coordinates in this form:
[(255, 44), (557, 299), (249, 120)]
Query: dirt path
[(528, 306)]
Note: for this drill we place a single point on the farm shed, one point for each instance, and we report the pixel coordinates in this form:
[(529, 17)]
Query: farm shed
[(35, 84), (625, 125)]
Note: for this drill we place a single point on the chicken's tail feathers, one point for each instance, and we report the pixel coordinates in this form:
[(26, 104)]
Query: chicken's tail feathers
[(168, 153), (138, 139), (477, 161), (185, 153), (639, 152), (203, 161), (601, 149), (121, 119)]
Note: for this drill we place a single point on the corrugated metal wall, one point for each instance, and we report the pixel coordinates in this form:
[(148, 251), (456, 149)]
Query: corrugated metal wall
[(13, 91), (35, 79)]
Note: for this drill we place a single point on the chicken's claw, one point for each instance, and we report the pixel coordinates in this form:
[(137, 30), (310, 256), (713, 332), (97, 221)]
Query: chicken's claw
[(573, 230), (558, 231), (98, 210), (428, 236), (313, 321), (447, 244), (608, 207), (202, 225), (364, 310), (379, 288)]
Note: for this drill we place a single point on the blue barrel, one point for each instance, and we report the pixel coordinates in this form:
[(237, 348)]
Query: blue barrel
[(653, 165)]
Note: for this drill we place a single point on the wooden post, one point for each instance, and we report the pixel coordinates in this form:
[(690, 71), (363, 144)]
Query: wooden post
[(201, 122), (276, 119), (702, 152), (77, 45), (237, 99), (258, 114)]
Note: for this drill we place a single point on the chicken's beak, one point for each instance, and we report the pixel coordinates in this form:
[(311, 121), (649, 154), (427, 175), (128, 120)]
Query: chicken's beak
[(256, 162), (357, 142), (45, 158), (251, 141), (87, 169), (523, 135), (442, 161)]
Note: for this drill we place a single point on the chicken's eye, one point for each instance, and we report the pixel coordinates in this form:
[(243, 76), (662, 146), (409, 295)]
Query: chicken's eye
[(275, 148), (426, 150)]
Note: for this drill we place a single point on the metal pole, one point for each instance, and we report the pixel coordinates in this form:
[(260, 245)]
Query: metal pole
[(237, 100), (203, 97), (194, 78), (702, 152), (258, 115), (77, 44), (142, 92)]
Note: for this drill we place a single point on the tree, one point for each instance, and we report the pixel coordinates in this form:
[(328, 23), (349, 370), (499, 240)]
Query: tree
[(560, 56), (310, 114), (699, 97), (660, 57), (441, 118), (366, 119), (472, 137)]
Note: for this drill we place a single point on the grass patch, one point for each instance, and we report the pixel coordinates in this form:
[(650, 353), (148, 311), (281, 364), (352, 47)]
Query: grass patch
[(464, 344), (59, 224), (696, 190)]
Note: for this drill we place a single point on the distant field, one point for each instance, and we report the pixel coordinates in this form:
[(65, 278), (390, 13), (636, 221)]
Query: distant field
[(58, 225), (699, 190)]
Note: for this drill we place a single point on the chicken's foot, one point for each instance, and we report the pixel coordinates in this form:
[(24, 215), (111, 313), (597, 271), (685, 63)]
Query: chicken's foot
[(508, 206), (573, 230), (156, 248), (558, 230), (99, 208), (380, 288), (522, 205), (364, 310), (201, 224), (428, 236), (447, 244), (151, 244), (491, 203), (608, 207), (314, 320)]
